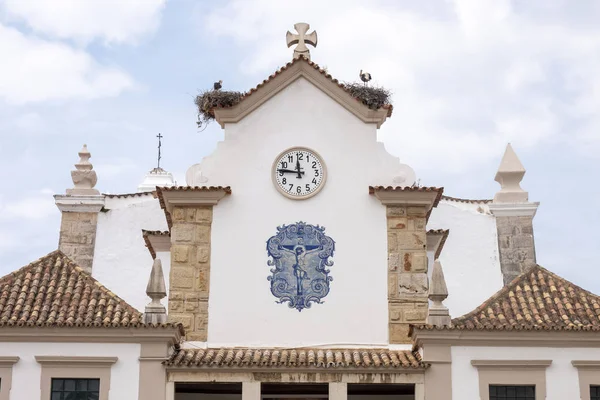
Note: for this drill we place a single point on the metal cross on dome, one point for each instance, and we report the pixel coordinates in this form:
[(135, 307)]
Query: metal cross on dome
[(301, 39)]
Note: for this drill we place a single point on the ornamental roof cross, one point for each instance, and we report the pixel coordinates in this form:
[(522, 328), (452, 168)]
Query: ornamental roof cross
[(301, 39)]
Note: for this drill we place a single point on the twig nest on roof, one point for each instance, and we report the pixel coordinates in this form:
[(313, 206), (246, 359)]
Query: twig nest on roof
[(208, 100), (371, 96)]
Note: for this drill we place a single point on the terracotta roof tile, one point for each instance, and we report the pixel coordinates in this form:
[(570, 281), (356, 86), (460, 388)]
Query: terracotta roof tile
[(54, 292), (322, 71), (227, 189), (472, 201), (535, 300), (439, 190), (146, 235), (125, 195), (296, 358)]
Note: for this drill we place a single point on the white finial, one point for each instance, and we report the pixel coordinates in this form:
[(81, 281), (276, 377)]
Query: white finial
[(509, 176), (155, 312), (84, 177), (301, 39), (438, 292)]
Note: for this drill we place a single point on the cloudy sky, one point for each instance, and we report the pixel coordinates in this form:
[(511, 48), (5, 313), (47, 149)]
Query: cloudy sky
[(468, 76)]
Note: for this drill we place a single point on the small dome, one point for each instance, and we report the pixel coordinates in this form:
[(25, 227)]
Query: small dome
[(156, 177)]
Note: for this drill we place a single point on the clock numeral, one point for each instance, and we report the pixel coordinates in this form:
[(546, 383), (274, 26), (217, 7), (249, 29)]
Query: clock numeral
[(307, 187), (316, 172), (284, 181), (283, 164), (290, 158), (300, 156), (291, 186), (314, 164), (314, 181), (298, 189)]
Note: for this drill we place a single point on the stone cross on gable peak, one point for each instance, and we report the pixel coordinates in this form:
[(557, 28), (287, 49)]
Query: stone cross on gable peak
[(301, 39)]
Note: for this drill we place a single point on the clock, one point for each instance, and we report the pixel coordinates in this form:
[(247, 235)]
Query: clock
[(299, 173)]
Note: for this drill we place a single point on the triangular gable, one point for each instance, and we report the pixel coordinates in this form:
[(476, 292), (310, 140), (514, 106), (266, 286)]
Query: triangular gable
[(300, 67), (54, 291), (535, 300)]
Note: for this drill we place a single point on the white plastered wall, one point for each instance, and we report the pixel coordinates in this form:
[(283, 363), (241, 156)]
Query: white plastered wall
[(470, 256), (242, 309), (122, 262), (26, 374), (562, 379)]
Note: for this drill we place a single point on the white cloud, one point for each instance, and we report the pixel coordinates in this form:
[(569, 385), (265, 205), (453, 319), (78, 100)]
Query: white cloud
[(467, 75), (35, 70), (112, 21), (37, 206), (112, 169)]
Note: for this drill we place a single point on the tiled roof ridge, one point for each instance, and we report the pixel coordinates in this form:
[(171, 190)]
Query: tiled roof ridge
[(439, 190), (297, 358), (125, 195), (461, 200), (67, 264), (520, 283), (157, 233), (314, 65), (227, 189), (53, 291), (499, 294), (438, 231)]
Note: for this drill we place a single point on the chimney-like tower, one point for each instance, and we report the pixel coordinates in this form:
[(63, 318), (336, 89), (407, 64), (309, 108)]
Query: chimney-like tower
[(155, 312), (80, 207), (514, 218)]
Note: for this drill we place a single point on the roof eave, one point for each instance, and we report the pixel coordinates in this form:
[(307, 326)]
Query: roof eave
[(404, 370), (132, 334)]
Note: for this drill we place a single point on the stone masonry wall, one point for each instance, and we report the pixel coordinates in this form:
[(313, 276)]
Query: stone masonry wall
[(78, 237), (190, 270), (407, 270), (516, 245)]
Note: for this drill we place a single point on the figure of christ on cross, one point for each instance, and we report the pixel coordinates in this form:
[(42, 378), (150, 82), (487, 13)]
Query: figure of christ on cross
[(300, 273)]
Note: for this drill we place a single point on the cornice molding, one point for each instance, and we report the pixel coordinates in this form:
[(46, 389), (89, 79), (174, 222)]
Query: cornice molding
[(514, 209), (76, 361), (83, 204), (568, 339), (89, 335), (8, 361), (586, 364), (512, 364)]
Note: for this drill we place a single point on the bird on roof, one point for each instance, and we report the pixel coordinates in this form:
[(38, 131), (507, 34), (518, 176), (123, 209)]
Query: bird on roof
[(218, 85), (364, 76)]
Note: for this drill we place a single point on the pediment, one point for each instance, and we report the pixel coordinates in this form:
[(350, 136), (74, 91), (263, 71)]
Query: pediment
[(288, 74)]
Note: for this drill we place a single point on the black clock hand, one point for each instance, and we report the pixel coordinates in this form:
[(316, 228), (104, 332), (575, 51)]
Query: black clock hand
[(298, 169), (289, 170)]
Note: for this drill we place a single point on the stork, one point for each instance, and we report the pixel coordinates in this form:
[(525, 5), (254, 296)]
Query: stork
[(364, 76), (218, 85)]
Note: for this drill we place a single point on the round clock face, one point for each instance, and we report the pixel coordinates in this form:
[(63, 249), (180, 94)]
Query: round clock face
[(299, 173)]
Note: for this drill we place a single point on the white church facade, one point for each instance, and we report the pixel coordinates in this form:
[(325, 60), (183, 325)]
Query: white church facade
[(299, 260)]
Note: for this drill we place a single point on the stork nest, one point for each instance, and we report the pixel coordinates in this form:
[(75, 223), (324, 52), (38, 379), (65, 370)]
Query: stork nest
[(208, 100), (371, 96)]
